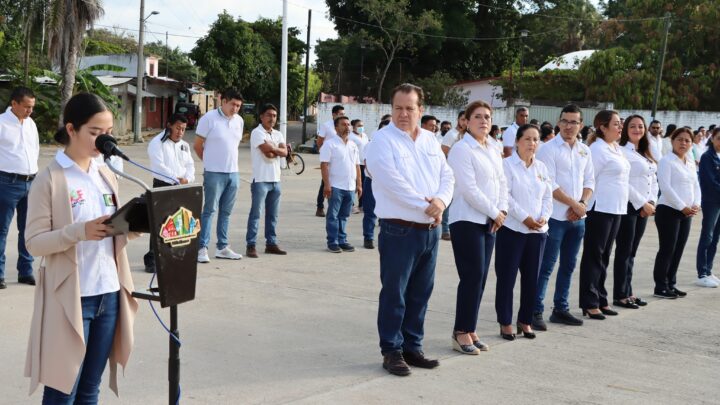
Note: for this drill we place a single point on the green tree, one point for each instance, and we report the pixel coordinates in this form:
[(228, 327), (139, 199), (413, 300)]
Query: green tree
[(175, 62), (106, 42), (439, 91)]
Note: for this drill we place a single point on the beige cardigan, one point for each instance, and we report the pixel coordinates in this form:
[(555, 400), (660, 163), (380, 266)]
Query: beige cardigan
[(57, 345)]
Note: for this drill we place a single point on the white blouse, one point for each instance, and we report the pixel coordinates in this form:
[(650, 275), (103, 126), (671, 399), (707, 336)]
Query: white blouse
[(90, 198), (612, 178), (480, 185), (529, 193), (678, 181), (643, 177)]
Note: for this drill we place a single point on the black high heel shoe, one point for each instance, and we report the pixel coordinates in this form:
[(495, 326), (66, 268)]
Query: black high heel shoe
[(590, 315), (507, 336), (521, 332), (629, 303), (608, 311)]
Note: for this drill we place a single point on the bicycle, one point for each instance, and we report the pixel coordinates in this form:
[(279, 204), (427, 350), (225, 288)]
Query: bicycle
[(293, 161)]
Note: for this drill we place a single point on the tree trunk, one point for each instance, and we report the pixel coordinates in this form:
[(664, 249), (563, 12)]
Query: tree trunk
[(28, 32), (382, 78), (68, 77)]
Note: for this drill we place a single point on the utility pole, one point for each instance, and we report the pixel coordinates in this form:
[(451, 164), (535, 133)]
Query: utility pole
[(283, 72), (167, 56), (137, 137), (307, 78), (661, 62)]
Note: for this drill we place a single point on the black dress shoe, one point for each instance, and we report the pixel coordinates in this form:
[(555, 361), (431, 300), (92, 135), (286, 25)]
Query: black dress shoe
[(608, 311), (667, 294), (591, 315), (2, 284), (639, 301), (29, 280), (507, 336), (538, 322), (418, 359), (521, 332), (368, 244), (149, 269), (395, 364), (565, 318), (626, 304), (679, 293)]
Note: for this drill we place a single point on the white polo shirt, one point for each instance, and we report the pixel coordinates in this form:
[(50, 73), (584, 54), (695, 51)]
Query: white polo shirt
[(450, 138), (570, 169), (406, 172), (643, 177), (612, 178), (172, 159), (265, 169), (222, 139), (342, 158), (678, 181), (90, 198), (509, 135), (480, 186), (361, 141), (656, 146), (529, 193), (19, 144), (327, 130)]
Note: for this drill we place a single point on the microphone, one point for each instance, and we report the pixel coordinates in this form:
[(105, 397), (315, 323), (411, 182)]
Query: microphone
[(107, 145)]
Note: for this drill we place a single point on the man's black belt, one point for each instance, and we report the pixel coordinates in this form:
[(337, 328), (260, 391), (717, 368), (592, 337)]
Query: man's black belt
[(415, 225), (15, 176)]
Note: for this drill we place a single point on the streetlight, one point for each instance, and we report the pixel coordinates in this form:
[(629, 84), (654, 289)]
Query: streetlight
[(140, 74), (523, 34)]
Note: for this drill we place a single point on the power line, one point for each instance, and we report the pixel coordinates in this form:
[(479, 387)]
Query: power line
[(146, 31)]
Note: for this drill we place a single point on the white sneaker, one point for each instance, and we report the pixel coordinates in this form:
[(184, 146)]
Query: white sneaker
[(227, 253), (717, 280), (706, 281), (203, 256)]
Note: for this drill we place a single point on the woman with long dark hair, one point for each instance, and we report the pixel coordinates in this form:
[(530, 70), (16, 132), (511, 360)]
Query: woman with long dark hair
[(84, 309), (607, 205), (643, 196)]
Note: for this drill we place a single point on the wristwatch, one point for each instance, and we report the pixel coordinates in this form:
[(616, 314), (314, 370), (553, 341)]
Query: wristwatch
[(583, 202)]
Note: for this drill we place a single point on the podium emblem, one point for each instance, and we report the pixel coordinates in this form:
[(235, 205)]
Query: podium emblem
[(180, 228)]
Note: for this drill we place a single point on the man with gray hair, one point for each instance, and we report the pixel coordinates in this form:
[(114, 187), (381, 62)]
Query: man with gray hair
[(522, 114)]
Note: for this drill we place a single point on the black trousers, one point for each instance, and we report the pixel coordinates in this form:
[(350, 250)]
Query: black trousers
[(600, 232), (632, 228), (673, 230), (523, 251), (320, 196), (149, 258)]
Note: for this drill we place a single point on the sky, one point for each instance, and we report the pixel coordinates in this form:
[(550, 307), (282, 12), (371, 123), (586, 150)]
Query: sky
[(189, 19)]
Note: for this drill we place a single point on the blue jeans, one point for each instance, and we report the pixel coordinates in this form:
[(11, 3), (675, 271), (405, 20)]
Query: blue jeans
[(100, 314), (445, 219), (265, 194), (14, 197), (564, 240), (709, 235), (369, 217), (407, 274), (339, 206), (220, 191)]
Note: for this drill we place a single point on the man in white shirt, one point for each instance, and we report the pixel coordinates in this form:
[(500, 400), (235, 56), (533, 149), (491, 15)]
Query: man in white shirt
[(570, 167), (19, 152), (340, 167), (325, 133), (429, 123), (217, 139), (522, 114), (655, 139), (413, 185), (172, 162), (267, 149)]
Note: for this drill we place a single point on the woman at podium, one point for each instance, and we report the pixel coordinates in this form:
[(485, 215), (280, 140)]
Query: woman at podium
[(84, 310)]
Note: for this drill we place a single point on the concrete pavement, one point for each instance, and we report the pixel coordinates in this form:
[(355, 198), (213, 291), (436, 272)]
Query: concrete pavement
[(301, 329)]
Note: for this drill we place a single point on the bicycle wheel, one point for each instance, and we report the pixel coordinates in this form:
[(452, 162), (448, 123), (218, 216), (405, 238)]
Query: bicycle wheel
[(297, 165)]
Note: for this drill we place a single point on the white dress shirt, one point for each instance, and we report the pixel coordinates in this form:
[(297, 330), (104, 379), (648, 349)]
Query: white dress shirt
[(327, 130), (450, 138), (265, 169), (570, 169), (90, 198), (406, 172), (19, 144), (643, 177), (509, 135), (678, 181), (480, 186), (529, 193), (361, 141), (656, 146), (173, 159), (612, 178), (222, 139), (342, 158)]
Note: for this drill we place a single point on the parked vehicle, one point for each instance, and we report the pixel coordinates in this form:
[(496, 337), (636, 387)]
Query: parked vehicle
[(191, 111)]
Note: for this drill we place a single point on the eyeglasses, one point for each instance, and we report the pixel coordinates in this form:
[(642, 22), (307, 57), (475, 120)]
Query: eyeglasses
[(571, 123)]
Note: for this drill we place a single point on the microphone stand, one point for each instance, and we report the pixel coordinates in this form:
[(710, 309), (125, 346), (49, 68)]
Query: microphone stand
[(125, 175)]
